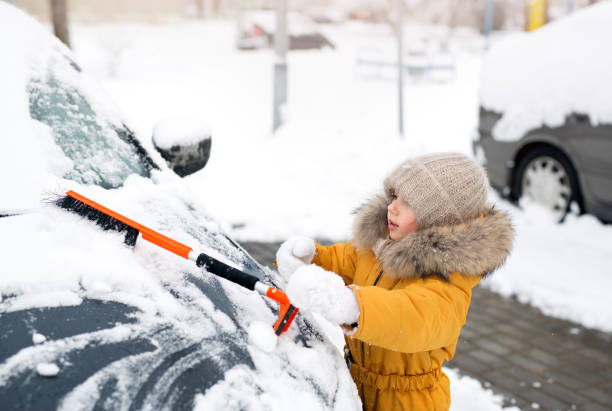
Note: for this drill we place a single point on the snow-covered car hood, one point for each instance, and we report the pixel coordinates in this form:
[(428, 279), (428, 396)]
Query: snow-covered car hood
[(161, 323), (539, 78), (89, 322)]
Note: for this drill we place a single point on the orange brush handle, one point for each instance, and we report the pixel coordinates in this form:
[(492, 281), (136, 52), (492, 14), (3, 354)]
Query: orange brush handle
[(147, 234)]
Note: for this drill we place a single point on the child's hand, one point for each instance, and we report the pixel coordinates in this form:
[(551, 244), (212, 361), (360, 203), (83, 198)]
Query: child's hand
[(312, 288), (294, 253)]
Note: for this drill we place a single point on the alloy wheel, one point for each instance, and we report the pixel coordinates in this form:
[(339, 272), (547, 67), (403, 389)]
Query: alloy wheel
[(546, 182)]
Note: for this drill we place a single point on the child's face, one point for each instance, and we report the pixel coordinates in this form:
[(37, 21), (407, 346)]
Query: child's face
[(401, 218)]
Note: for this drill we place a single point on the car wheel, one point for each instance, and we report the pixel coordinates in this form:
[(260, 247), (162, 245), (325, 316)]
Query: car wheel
[(546, 176)]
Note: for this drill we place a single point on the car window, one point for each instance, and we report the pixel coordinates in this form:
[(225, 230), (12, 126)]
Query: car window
[(102, 152)]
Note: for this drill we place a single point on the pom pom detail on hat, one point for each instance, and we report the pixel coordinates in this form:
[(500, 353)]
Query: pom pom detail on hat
[(443, 189)]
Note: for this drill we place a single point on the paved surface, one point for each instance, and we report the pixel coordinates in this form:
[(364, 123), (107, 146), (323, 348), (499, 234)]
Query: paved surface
[(534, 361)]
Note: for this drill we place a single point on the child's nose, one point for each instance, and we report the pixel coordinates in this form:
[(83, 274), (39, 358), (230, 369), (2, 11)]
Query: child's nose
[(391, 207)]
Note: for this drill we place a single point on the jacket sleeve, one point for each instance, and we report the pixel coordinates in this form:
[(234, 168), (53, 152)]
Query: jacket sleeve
[(424, 316), (340, 258)]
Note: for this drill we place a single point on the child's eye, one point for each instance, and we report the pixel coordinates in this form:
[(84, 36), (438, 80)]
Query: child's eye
[(393, 195)]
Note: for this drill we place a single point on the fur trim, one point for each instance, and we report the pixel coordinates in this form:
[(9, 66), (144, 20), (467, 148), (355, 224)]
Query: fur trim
[(476, 247), (370, 223)]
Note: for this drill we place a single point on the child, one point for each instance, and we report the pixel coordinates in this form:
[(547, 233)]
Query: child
[(402, 286)]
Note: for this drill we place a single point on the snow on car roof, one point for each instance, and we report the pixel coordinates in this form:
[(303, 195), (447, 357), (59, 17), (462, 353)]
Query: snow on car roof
[(538, 78)]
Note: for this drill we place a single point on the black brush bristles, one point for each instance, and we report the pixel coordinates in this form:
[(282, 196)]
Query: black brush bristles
[(101, 219)]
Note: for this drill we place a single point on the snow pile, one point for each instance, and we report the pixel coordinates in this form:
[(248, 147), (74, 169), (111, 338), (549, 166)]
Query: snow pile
[(262, 336), (47, 369), (536, 79), (38, 338), (179, 132), (468, 394)]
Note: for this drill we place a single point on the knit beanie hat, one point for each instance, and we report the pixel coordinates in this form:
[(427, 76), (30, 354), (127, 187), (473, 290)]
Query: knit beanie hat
[(443, 189)]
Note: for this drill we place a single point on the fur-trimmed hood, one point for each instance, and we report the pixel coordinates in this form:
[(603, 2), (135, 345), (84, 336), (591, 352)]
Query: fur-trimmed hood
[(475, 247)]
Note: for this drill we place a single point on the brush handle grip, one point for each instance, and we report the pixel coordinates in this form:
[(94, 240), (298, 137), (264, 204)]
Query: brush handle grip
[(221, 269)]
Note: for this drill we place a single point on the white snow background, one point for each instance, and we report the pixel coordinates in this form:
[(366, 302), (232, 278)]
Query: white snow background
[(338, 142)]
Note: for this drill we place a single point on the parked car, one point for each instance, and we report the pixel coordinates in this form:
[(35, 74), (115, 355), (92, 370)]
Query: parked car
[(256, 31), (545, 123), (86, 321)]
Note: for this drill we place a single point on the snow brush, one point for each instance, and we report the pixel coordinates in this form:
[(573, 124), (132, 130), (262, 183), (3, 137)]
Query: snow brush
[(111, 220)]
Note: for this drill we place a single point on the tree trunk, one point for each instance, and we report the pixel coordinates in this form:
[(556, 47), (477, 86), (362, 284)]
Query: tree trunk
[(59, 16)]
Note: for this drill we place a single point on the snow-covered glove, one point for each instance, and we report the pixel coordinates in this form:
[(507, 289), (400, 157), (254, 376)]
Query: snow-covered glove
[(312, 288), (294, 253)]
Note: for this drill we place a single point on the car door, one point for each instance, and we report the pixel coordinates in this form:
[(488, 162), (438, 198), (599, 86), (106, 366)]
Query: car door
[(593, 147)]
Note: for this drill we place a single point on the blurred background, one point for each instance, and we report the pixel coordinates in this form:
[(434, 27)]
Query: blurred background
[(452, 13)]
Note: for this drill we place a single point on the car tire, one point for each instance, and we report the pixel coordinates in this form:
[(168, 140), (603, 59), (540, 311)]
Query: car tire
[(547, 176)]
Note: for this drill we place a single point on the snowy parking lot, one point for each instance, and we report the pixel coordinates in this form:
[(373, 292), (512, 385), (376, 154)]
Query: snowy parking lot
[(337, 143)]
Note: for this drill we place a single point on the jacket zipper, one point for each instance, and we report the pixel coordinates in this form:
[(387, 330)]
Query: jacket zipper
[(379, 276), (362, 343)]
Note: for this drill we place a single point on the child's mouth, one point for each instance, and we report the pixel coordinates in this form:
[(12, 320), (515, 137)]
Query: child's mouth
[(392, 226)]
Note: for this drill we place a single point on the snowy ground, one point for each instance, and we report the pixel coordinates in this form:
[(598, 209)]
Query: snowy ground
[(338, 142)]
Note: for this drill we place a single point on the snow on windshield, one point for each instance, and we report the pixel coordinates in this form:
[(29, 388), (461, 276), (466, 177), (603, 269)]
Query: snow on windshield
[(56, 122), (98, 154), (29, 159), (539, 78)]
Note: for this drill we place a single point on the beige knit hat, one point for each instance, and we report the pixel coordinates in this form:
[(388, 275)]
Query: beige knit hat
[(443, 189)]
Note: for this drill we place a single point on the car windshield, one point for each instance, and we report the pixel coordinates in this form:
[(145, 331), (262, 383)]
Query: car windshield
[(103, 152)]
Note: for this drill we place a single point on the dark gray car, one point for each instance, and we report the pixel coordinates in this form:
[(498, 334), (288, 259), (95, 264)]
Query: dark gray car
[(553, 166)]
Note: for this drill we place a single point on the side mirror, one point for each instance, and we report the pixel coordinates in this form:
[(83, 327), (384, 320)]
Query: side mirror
[(183, 143)]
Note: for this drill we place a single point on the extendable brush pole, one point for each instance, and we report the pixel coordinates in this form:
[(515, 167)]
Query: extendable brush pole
[(111, 220)]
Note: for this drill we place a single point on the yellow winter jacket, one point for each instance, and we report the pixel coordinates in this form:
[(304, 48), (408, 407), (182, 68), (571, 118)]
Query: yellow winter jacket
[(413, 297)]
